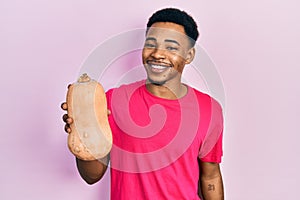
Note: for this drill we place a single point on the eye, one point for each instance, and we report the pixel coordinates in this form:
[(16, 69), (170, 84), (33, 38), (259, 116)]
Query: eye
[(148, 45), (172, 48)]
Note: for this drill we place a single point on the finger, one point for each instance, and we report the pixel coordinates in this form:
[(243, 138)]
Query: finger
[(108, 112), (67, 128), (69, 86), (69, 120), (65, 117), (64, 106)]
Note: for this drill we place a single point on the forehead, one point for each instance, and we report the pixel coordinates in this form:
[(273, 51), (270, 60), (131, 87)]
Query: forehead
[(167, 30)]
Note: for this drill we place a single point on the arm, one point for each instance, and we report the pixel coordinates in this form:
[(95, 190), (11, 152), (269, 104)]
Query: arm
[(211, 181), (92, 171)]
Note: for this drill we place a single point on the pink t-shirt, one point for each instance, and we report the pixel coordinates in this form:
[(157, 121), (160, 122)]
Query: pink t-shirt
[(156, 142)]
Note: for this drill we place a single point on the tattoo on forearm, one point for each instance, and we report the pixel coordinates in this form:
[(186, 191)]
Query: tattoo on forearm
[(211, 187)]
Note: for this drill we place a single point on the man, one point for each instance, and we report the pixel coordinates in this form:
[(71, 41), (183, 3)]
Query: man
[(167, 136)]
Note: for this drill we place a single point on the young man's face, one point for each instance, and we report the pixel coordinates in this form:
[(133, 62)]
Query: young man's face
[(166, 51)]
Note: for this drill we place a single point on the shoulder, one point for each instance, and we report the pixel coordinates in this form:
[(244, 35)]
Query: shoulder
[(124, 89), (206, 99)]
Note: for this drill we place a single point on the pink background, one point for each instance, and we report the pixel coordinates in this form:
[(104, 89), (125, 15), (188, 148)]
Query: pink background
[(254, 44)]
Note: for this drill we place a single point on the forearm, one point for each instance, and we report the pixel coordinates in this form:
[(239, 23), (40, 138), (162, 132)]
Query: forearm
[(92, 171), (212, 188)]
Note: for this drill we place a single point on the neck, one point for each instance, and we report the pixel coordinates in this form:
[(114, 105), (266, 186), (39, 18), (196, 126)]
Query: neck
[(165, 91)]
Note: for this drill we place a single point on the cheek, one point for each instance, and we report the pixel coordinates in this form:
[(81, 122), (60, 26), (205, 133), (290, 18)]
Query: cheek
[(145, 54), (177, 60), (178, 63)]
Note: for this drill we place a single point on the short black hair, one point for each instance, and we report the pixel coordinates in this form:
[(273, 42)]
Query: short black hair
[(176, 16)]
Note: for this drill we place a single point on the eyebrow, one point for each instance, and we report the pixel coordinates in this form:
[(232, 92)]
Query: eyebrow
[(172, 41), (150, 38), (166, 40)]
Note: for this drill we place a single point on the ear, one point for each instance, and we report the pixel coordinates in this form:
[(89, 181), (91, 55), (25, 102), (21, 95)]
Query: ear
[(190, 55)]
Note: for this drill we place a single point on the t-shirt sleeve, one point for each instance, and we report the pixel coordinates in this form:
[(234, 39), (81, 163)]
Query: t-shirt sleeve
[(212, 149), (109, 106), (215, 155), (108, 98)]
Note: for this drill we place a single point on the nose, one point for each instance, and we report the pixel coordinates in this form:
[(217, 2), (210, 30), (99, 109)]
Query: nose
[(158, 53)]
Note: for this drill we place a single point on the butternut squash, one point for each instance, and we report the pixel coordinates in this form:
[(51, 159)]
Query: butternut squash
[(91, 136)]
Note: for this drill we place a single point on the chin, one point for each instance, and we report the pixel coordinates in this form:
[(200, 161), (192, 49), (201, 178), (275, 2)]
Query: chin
[(156, 82)]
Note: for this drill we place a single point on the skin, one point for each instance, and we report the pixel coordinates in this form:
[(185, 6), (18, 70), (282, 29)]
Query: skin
[(166, 45), (166, 52), (211, 183)]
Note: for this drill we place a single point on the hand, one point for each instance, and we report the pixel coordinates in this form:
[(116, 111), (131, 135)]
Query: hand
[(68, 120), (65, 117), (83, 146)]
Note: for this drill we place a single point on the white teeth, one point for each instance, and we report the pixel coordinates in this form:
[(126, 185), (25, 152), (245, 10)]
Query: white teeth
[(158, 67)]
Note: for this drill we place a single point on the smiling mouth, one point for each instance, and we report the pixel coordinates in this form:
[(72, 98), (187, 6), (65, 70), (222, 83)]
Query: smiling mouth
[(158, 67)]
